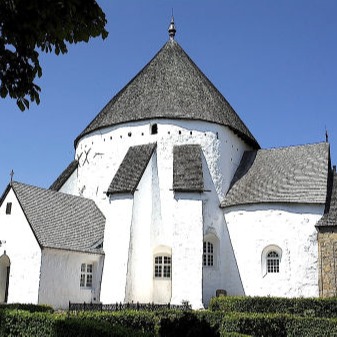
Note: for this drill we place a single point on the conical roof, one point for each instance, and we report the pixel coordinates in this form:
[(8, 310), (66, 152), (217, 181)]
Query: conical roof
[(170, 86)]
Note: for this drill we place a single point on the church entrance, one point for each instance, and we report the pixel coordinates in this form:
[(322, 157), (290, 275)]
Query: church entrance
[(4, 277)]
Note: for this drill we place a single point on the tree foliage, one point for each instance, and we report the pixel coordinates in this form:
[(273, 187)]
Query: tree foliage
[(30, 26)]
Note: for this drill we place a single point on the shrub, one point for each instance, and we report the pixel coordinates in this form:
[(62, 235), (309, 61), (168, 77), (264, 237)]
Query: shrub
[(310, 307)]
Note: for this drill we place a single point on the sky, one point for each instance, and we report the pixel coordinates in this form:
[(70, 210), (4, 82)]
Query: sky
[(274, 61)]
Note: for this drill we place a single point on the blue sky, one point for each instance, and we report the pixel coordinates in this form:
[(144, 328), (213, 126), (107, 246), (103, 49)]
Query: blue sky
[(274, 61)]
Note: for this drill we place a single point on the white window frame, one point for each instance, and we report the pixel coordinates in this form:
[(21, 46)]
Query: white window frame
[(210, 250), (87, 273), (271, 260), (162, 266), (208, 258)]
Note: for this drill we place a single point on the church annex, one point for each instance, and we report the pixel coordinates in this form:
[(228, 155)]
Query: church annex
[(170, 198)]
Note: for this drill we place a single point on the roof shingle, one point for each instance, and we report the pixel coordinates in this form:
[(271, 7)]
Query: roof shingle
[(187, 169), (295, 174), (63, 177), (131, 169), (170, 86), (60, 220)]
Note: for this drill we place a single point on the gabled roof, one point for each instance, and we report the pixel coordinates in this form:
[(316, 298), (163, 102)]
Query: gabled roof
[(296, 174), (60, 220), (131, 169), (63, 177), (170, 86), (187, 168), (329, 219)]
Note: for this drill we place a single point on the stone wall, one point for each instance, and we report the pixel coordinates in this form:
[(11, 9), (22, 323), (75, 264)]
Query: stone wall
[(327, 254)]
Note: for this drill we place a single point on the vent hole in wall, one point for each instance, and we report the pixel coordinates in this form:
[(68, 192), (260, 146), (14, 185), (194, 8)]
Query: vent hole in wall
[(154, 129)]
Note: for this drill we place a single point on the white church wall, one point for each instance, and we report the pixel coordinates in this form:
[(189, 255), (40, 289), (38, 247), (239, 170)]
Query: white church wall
[(100, 155), (70, 186), (289, 228), (139, 275), (187, 250), (23, 252), (61, 274), (101, 152), (118, 215)]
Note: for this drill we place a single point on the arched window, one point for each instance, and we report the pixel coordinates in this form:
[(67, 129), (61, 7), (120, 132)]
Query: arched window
[(208, 254), (162, 266), (273, 262)]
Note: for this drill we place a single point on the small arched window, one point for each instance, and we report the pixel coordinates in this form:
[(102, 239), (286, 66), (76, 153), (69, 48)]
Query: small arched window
[(208, 254), (273, 262), (162, 266)]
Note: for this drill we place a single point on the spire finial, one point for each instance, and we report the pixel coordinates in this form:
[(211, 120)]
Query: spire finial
[(11, 174), (172, 28)]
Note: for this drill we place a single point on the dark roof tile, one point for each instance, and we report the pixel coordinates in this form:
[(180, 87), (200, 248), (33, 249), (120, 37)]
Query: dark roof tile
[(187, 169), (60, 220), (170, 86), (296, 174), (131, 169), (63, 177)]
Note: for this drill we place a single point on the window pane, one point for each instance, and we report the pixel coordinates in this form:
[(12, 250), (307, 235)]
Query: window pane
[(89, 280), (82, 282), (83, 267), (89, 268)]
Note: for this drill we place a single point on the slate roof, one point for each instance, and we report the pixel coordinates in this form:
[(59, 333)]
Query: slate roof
[(187, 169), (296, 174), (63, 177), (329, 218), (170, 86), (131, 169), (60, 220)]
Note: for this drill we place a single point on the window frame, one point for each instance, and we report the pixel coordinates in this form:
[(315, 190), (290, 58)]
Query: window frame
[(86, 275), (208, 256), (271, 260), (162, 266)]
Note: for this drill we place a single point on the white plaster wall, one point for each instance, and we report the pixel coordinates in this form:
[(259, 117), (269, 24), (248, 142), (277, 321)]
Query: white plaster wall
[(290, 227), (100, 155), (70, 186), (139, 276), (23, 251), (118, 215), (60, 278), (187, 248), (101, 152)]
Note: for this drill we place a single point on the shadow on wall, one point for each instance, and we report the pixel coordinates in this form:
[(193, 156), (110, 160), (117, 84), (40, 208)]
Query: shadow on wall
[(226, 274)]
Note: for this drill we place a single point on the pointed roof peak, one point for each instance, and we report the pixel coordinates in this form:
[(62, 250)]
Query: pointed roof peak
[(172, 29)]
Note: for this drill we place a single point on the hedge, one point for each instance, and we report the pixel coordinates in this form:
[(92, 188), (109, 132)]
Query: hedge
[(308, 307), (19, 323)]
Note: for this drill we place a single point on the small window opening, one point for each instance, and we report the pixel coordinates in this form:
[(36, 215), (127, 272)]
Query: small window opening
[(208, 254), (9, 208), (162, 267), (129, 134), (86, 275), (191, 133), (273, 262), (179, 132), (154, 129)]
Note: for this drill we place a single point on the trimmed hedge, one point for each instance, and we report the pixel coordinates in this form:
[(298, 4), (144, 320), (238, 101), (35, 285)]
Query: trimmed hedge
[(27, 307), (307, 307), (18, 323)]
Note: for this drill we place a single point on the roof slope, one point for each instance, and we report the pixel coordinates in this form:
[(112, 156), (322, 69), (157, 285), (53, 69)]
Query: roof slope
[(63, 177), (187, 169), (170, 86), (60, 220), (131, 169), (296, 174), (330, 216)]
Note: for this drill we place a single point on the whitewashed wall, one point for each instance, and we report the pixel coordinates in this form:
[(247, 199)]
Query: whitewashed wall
[(118, 215), (60, 278), (155, 214), (290, 227), (23, 251)]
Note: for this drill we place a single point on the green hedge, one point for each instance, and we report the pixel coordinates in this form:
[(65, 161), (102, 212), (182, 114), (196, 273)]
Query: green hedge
[(18, 323), (280, 325), (27, 307), (308, 307)]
